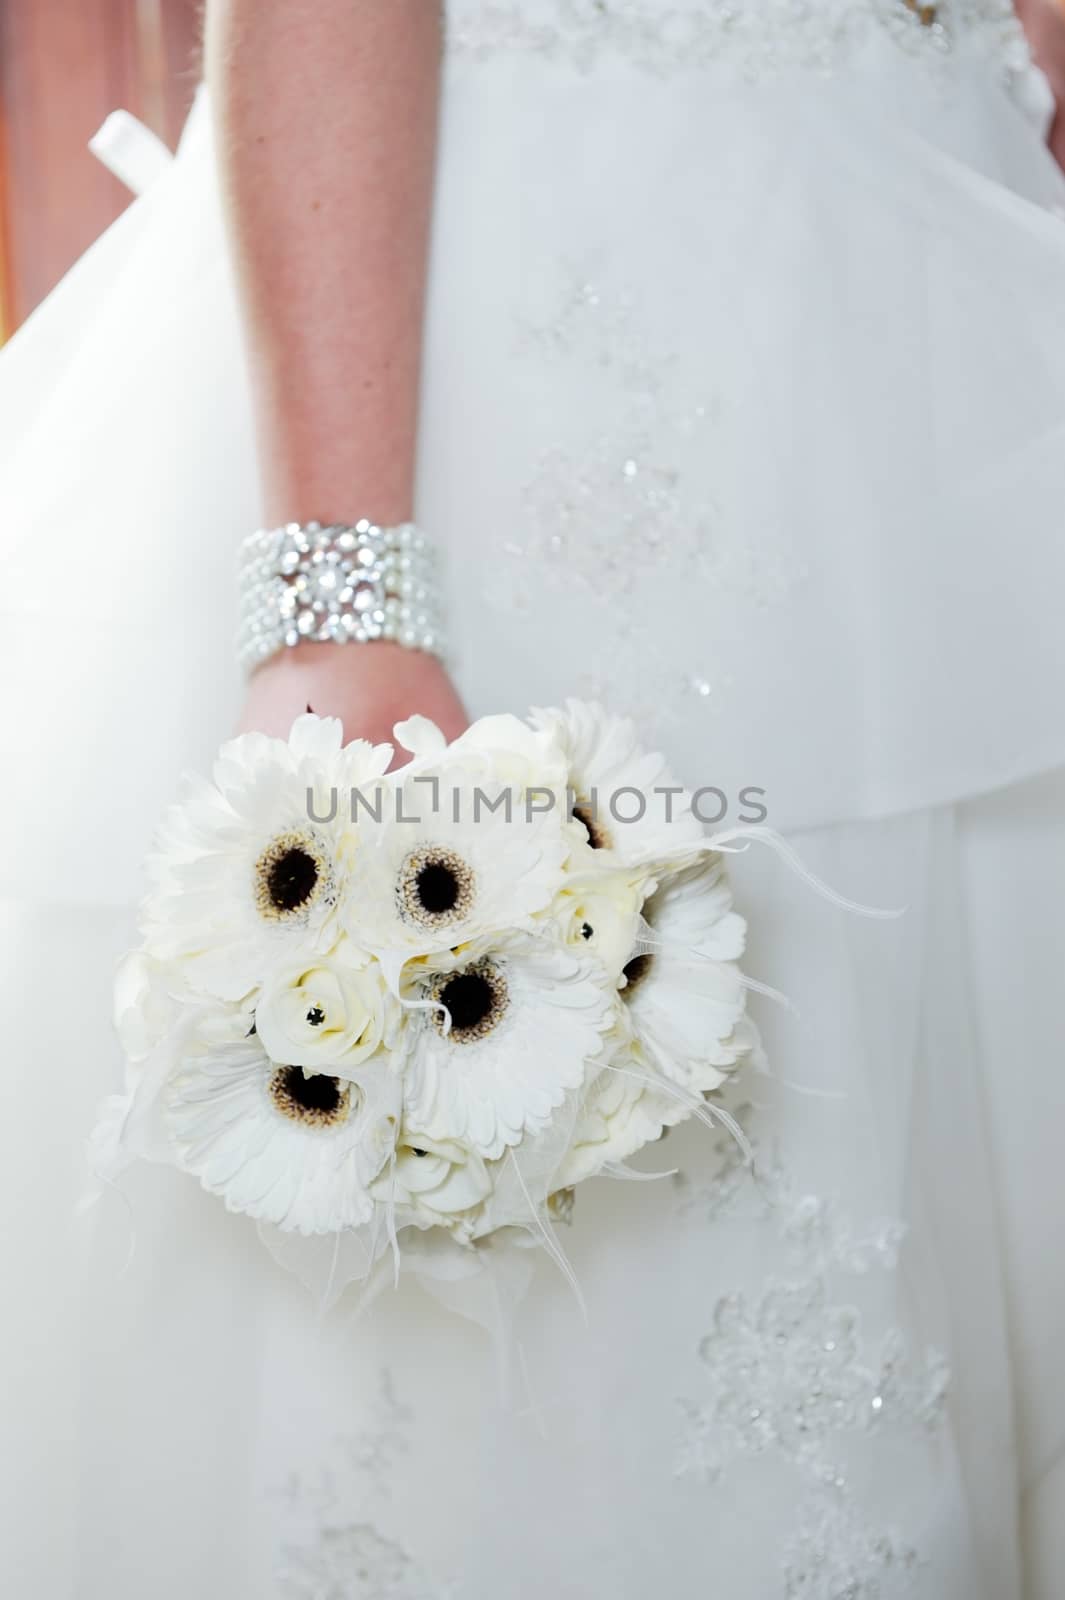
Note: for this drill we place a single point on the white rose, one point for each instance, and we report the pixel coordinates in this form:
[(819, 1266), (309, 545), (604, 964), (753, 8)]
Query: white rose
[(323, 1013), (437, 1179), (598, 914)]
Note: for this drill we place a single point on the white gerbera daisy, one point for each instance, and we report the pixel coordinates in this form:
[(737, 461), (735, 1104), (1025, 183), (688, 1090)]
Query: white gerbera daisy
[(250, 864), (327, 1012), (509, 1036), (683, 989), (434, 1183), (280, 1144), (626, 806), (460, 858)]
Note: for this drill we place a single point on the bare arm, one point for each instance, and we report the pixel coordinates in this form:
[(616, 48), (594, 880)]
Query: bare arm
[(1044, 23), (325, 115)]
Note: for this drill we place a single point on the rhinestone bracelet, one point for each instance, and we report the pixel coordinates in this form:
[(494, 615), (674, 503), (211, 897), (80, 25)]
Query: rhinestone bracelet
[(338, 582)]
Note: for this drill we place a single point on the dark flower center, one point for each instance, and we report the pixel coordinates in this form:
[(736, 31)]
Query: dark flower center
[(289, 876), (316, 1100), (437, 887), (316, 1016), (291, 879), (635, 972), (434, 888), (469, 999), (475, 1001), (587, 930), (598, 837)]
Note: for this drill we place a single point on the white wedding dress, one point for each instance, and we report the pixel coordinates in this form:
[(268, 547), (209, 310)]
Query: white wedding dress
[(744, 409)]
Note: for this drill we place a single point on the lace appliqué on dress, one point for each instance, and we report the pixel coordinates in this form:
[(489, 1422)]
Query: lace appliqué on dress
[(630, 502), (791, 1370), (757, 39), (335, 1548)]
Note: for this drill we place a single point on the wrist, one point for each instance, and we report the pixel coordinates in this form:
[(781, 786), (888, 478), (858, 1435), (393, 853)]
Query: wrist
[(369, 687)]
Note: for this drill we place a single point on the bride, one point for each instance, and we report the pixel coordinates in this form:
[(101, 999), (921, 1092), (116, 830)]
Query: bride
[(738, 402)]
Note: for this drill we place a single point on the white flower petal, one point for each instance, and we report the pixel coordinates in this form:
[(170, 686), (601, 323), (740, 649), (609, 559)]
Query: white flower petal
[(251, 865), (489, 1085), (420, 737), (307, 1168), (604, 760), (458, 860), (685, 994), (621, 1113)]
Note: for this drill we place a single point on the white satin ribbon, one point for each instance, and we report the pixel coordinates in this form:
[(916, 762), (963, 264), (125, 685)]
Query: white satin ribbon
[(135, 154)]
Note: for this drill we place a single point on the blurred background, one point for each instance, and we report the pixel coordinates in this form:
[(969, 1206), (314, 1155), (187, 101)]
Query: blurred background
[(64, 64)]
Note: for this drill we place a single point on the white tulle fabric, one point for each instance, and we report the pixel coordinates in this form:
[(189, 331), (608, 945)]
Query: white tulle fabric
[(744, 408)]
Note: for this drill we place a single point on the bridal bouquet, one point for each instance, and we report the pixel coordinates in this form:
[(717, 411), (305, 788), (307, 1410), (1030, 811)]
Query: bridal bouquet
[(434, 999)]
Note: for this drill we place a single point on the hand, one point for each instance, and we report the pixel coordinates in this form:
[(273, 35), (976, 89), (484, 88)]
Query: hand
[(370, 687)]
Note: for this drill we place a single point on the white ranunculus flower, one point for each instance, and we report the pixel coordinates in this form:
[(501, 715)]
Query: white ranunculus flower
[(325, 1012), (511, 1035), (621, 812), (434, 1182), (296, 1148), (252, 863), (598, 914), (684, 992), (622, 1111)]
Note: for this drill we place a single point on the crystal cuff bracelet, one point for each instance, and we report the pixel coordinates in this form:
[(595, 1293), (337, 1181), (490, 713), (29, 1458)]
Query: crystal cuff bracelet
[(339, 583)]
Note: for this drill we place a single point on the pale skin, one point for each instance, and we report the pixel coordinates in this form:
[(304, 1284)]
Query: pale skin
[(1044, 23), (325, 115)]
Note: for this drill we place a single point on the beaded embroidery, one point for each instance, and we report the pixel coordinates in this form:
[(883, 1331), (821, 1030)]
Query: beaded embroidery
[(605, 509), (336, 1549), (757, 38), (791, 1371)]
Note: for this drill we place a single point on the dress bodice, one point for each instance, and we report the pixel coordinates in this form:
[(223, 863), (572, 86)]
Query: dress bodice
[(755, 37)]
